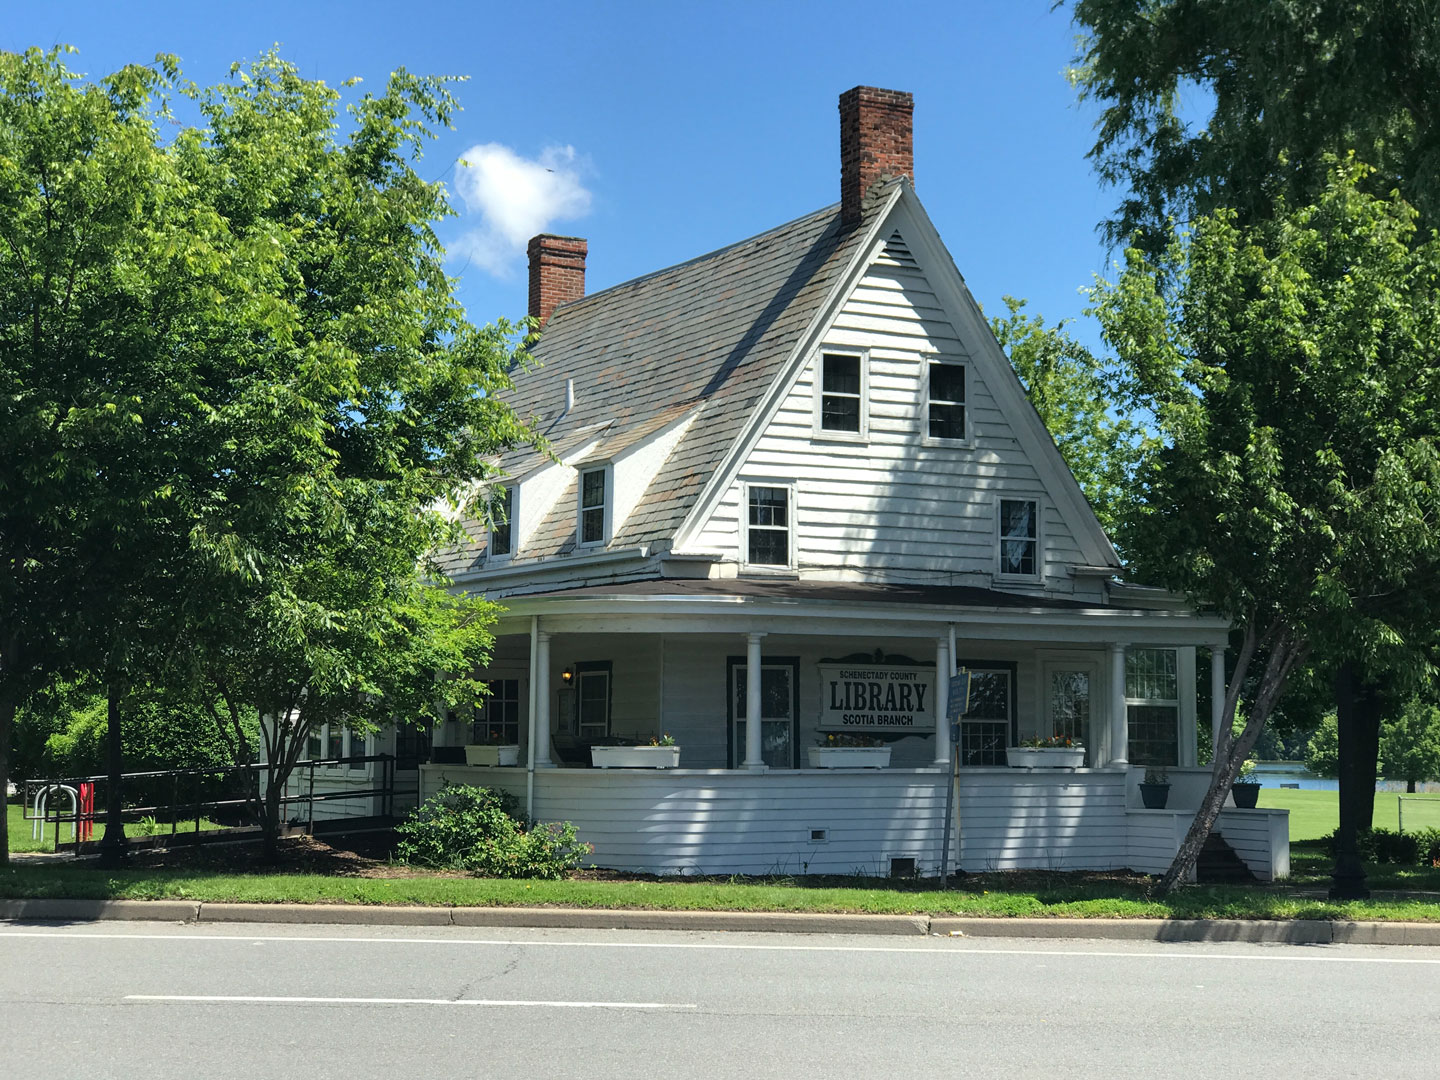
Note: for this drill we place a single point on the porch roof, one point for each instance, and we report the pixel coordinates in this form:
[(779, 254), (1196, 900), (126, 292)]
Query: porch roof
[(808, 608)]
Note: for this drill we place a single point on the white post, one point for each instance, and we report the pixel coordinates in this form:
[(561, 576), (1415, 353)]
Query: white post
[(1217, 694), (943, 670), (542, 701), (1119, 721), (754, 751)]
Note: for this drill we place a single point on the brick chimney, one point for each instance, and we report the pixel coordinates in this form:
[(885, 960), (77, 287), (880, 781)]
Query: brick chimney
[(557, 272), (876, 140)]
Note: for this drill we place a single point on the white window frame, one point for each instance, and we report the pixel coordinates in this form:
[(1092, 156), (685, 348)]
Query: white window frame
[(607, 507), (1177, 702), (512, 521), (788, 486), (933, 440), (1039, 541), (825, 434)]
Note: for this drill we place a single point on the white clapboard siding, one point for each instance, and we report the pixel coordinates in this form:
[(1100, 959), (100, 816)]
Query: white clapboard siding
[(1261, 838), (894, 506)]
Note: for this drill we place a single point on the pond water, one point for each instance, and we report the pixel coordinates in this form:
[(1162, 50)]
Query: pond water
[(1274, 774)]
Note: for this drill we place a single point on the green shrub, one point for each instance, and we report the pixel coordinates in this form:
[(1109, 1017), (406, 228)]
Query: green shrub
[(1428, 843), (1384, 846), (479, 829)]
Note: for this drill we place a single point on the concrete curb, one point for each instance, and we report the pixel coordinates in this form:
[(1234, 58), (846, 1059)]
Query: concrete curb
[(1296, 932)]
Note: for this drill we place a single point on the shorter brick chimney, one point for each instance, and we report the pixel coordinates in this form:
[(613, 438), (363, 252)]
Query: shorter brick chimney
[(876, 140), (557, 272)]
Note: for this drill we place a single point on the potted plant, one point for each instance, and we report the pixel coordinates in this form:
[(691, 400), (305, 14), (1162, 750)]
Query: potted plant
[(844, 750), (659, 753), (1246, 789), (1155, 788), (1047, 752)]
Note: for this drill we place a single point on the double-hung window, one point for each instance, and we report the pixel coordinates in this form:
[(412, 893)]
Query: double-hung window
[(841, 405), (1152, 706), (592, 680), (497, 721), (945, 404), (1019, 540), (502, 517), (986, 728), (594, 494), (767, 532)]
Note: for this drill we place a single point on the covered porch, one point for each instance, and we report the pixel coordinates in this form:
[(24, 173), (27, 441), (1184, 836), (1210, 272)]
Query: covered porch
[(745, 684)]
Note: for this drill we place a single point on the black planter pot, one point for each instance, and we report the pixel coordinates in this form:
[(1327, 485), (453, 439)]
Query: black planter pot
[(1245, 795), (1154, 796)]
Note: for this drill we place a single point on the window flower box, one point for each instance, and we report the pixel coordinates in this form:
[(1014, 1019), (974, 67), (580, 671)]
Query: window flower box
[(492, 755), (1045, 757), (635, 757), (849, 757)]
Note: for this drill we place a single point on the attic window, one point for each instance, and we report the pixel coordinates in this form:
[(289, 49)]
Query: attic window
[(1019, 538), (840, 403), (593, 491), (945, 407), (767, 534)]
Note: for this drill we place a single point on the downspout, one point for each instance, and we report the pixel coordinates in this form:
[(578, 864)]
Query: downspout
[(530, 739)]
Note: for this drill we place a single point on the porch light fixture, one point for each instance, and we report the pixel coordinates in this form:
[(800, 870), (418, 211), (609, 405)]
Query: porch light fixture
[(568, 675)]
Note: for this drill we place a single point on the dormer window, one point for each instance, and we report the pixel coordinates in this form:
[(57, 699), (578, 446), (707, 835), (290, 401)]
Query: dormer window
[(594, 500), (1019, 538), (502, 523), (840, 401)]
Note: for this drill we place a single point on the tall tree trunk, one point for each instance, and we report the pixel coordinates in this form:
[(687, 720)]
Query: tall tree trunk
[(1409, 787), (112, 845), (1373, 705), (1348, 876), (270, 823)]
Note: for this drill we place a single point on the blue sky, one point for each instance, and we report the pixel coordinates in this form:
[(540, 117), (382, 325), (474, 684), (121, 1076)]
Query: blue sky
[(660, 131)]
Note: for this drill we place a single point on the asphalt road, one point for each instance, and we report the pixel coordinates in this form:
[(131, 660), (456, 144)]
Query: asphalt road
[(157, 1002)]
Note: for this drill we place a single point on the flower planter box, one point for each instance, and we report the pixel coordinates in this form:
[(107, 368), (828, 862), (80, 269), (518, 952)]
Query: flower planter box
[(492, 755), (635, 757), (848, 757), (1036, 757)]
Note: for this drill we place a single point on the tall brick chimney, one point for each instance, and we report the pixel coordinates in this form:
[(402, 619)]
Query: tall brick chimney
[(876, 139), (557, 272)]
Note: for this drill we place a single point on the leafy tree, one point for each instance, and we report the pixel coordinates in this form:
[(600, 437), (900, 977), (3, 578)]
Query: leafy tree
[(1288, 365), (1286, 84), (1322, 752), (1070, 389), (1410, 744)]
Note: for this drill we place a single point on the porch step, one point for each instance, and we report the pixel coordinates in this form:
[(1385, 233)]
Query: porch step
[(1219, 865)]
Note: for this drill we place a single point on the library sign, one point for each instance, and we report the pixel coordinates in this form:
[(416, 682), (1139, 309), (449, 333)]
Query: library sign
[(876, 698)]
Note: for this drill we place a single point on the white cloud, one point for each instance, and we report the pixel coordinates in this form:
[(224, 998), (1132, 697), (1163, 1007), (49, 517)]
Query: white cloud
[(515, 198)]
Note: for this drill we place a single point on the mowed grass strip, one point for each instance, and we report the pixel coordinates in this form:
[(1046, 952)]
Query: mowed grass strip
[(1063, 900), (21, 830), (1314, 814)]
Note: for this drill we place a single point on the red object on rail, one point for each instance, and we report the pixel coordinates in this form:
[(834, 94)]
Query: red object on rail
[(86, 823)]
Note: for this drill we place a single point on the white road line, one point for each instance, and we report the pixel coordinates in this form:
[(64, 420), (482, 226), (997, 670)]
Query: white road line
[(1290, 954), (245, 999)]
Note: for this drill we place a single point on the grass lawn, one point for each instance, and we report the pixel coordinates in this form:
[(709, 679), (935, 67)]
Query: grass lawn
[(20, 830), (1314, 814)]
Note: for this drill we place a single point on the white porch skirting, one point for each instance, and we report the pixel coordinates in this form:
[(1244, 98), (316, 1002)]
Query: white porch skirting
[(836, 821)]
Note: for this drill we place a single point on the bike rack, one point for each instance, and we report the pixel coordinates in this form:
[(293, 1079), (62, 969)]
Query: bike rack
[(37, 831)]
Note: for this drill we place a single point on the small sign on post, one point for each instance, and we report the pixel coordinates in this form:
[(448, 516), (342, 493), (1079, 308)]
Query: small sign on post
[(958, 702), (957, 705)]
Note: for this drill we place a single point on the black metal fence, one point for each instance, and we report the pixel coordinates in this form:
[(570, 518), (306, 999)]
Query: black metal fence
[(194, 805)]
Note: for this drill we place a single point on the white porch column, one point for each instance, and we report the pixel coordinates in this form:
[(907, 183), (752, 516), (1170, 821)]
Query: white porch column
[(754, 752), (1119, 722), (542, 701), (944, 667), (1217, 693)]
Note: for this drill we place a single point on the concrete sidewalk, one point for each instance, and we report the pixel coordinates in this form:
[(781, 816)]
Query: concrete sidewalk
[(1297, 932)]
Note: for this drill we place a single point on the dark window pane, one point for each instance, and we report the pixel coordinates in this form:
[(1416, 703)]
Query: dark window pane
[(983, 743), (592, 488), (1018, 544), (947, 382), (775, 699), (1017, 518), (1154, 734), (335, 747), (842, 375), (947, 421), (989, 696), (592, 525), (769, 547), (840, 413)]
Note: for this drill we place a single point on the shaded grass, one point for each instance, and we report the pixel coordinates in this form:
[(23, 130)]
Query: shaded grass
[(1066, 896), (20, 830)]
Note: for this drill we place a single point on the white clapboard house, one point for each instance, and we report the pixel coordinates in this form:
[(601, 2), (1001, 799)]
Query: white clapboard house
[(792, 481)]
